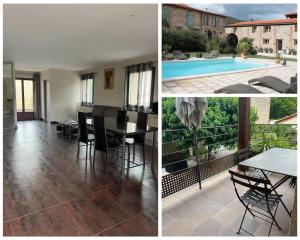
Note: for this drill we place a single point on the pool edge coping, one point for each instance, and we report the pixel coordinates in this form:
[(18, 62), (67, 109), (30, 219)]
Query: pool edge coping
[(271, 65)]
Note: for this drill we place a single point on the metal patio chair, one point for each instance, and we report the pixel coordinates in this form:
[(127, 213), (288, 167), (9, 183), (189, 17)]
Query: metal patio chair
[(256, 199)]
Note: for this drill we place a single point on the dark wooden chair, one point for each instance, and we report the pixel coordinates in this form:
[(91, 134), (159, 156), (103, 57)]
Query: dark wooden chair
[(138, 139), (258, 195), (84, 136), (102, 143)]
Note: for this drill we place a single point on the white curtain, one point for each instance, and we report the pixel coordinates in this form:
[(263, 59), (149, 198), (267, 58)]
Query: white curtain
[(140, 85)]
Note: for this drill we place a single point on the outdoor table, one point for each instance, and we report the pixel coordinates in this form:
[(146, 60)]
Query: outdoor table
[(126, 129), (277, 160)]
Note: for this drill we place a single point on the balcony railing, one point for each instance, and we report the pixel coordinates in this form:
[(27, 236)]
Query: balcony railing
[(189, 157)]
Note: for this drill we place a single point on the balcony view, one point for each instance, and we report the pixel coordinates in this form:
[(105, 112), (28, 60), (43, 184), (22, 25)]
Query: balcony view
[(199, 197)]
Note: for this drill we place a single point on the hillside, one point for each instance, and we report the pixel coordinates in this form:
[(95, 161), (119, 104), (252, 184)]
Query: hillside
[(231, 20)]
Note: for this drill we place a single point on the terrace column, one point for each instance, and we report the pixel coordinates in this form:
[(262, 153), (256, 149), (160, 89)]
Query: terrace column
[(244, 123), (244, 128)]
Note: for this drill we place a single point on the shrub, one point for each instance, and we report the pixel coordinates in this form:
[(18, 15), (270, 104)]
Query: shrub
[(167, 47), (213, 44), (246, 44), (186, 41), (243, 47), (224, 47)]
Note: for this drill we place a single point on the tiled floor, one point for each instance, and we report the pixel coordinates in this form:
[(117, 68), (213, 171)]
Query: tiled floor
[(216, 211), (49, 192), (210, 84)]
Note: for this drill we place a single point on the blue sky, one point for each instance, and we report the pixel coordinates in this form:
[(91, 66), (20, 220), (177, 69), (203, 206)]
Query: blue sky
[(250, 11)]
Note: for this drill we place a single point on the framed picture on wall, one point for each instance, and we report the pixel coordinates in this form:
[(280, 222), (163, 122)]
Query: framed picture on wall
[(109, 75)]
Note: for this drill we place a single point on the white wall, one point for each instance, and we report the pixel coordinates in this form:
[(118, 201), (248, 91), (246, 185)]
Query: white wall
[(115, 97), (64, 93)]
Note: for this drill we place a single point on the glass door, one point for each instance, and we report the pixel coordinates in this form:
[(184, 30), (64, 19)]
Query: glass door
[(25, 99)]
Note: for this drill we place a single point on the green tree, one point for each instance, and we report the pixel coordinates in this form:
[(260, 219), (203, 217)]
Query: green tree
[(282, 107), (245, 46), (213, 44), (186, 41), (221, 112)]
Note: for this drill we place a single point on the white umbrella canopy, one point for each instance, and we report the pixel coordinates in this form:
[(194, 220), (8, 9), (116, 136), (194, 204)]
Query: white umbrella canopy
[(191, 110)]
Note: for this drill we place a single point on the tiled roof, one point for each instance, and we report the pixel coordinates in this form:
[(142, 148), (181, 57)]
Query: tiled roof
[(291, 13), (185, 6), (286, 118), (265, 22)]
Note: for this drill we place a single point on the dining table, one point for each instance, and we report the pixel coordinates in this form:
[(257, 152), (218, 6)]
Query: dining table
[(275, 160), (126, 129)]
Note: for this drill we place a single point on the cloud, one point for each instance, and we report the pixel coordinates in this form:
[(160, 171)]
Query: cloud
[(250, 11)]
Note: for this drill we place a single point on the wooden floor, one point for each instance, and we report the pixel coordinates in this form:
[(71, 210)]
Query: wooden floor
[(49, 192)]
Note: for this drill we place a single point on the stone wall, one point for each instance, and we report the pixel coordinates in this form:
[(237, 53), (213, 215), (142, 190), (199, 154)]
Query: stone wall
[(179, 20), (286, 33)]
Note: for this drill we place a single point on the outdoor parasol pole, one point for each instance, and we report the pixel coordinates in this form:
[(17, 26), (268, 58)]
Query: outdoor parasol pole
[(197, 154)]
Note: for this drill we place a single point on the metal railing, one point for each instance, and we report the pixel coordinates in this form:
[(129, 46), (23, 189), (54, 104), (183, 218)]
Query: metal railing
[(189, 156)]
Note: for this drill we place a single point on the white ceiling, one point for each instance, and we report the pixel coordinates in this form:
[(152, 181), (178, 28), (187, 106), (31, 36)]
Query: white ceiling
[(77, 36)]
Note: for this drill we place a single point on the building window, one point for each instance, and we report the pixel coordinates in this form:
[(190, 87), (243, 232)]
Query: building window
[(295, 42), (205, 20), (190, 21), (140, 86), (234, 29), (87, 89), (254, 29), (267, 29), (214, 21), (221, 22), (166, 14), (265, 41), (296, 28)]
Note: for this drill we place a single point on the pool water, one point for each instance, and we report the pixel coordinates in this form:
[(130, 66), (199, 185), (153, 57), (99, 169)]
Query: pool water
[(180, 69)]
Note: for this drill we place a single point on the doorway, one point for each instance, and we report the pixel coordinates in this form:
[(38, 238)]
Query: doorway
[(279, 45), (46, 115), (25, 99)]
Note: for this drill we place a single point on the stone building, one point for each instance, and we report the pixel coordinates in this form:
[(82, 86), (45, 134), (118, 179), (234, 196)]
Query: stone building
[(269, 36), (181, 16), (262, 106)]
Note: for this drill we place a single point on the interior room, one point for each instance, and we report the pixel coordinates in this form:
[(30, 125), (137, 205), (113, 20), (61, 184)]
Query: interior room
[(80, 119)]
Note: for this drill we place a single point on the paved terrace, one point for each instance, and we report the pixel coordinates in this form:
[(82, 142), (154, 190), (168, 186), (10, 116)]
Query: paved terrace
[(212, 83), (216, 211)]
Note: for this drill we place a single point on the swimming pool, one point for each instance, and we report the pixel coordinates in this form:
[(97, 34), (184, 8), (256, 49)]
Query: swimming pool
[(191, 68)]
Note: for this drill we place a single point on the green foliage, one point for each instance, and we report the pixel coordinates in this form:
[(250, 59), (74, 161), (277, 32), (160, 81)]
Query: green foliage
[(245, 46), (186, 41), (282, 107), (264, 137), (167, 47), (220, 112), (213, 44), (224, 48)]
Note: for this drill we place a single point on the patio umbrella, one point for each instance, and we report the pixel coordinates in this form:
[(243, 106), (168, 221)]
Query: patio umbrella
[(191, 110)]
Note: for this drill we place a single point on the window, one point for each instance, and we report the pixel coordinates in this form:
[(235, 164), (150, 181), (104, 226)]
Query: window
[(296, 28), (190, 21), (295, 42), (166, 13), (234, 29), (205, 20), (267, 29), (140, 85), (24, 95), (87, 89), (265, 41), (214, 21), (254, 29), (221, 22)]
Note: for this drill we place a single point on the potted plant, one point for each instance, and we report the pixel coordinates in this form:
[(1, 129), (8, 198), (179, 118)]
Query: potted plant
[(243, 48), (277, 58)]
